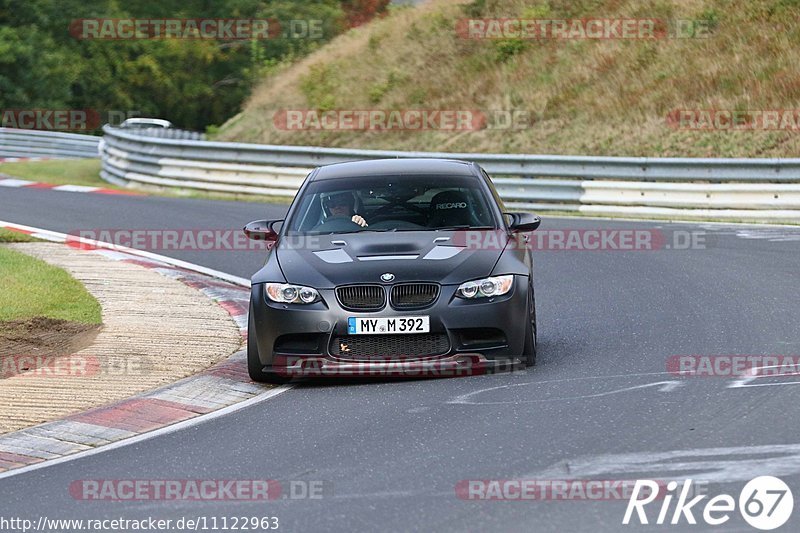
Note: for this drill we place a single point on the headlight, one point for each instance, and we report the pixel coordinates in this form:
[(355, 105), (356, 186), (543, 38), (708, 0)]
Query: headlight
[(283, 293), (486, 287)]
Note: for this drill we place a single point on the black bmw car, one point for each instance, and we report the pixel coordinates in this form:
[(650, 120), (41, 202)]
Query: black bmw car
[(397, 266)]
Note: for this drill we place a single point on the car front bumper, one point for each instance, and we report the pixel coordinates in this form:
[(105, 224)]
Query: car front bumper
[(482, 335), (456, 365)]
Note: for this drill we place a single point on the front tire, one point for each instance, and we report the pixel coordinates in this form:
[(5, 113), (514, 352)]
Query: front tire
[(254, 366), (529, 351)]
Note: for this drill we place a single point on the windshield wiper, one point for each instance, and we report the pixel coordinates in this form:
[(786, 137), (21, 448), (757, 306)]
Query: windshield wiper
[(392, 230), (327, 233), (463, 226)]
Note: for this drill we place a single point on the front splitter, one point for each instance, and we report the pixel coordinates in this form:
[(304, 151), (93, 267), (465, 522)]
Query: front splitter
[(459, 365)]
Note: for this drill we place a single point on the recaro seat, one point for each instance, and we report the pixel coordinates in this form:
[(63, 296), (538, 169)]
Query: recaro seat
[(450, 208)]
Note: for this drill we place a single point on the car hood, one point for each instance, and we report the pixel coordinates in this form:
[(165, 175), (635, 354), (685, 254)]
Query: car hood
[(326, 261)]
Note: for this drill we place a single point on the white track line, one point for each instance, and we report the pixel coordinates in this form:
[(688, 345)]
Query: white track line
[(150, 434), (61, 237)]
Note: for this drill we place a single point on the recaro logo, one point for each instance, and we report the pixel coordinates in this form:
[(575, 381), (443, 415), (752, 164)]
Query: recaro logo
[(452, 205)]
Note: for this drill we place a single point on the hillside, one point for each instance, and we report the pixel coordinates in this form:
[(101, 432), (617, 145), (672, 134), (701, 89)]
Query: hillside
[(582, 96)]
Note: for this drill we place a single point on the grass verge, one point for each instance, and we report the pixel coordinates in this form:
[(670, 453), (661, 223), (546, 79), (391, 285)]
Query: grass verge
[(87, 172), (7, 235), (58, 172), (33, 288)]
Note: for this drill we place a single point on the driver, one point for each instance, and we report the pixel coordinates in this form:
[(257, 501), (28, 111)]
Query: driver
[(342, 205)]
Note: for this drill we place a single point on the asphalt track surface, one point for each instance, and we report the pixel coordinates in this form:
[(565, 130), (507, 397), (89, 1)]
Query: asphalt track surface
[(598, 405)]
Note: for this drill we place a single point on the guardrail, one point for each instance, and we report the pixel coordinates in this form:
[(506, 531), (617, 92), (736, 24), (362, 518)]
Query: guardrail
[(167, 133), (747, 189), (34, 143)]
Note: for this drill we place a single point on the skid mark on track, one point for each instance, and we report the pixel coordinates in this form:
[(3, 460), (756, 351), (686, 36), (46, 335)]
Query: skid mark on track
[(715, 465), (470, 398), (745, 382)]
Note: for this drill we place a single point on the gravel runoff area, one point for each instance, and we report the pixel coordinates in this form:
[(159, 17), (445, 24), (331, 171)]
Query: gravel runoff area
[(155, 331)]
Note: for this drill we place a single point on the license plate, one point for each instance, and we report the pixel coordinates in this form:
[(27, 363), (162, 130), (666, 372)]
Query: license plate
[(381, 325)]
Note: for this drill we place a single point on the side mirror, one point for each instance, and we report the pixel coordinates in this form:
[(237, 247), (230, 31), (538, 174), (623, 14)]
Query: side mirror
[(523, 222), (261, 230)]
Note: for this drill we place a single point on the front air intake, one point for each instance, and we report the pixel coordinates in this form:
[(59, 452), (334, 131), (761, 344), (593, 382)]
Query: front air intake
[(361, 297), (414, 295)]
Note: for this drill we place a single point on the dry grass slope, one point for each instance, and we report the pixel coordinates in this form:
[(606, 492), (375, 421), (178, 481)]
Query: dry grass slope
[(588, 96)]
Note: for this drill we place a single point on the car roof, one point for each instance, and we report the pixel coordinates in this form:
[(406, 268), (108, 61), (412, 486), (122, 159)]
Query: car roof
[(143, 121), (390, 167)]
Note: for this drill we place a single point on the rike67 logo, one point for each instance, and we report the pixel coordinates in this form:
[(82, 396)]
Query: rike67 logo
[(765, 503)]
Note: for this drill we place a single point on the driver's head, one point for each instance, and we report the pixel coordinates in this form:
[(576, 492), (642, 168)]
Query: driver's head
[(339, 204)]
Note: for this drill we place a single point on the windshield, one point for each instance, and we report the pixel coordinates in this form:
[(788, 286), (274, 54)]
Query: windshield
[(388, 203)]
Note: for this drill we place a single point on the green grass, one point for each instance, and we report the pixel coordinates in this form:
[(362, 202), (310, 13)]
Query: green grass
[(33, 288), (6, 235), (66, 172), (87, 172)]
